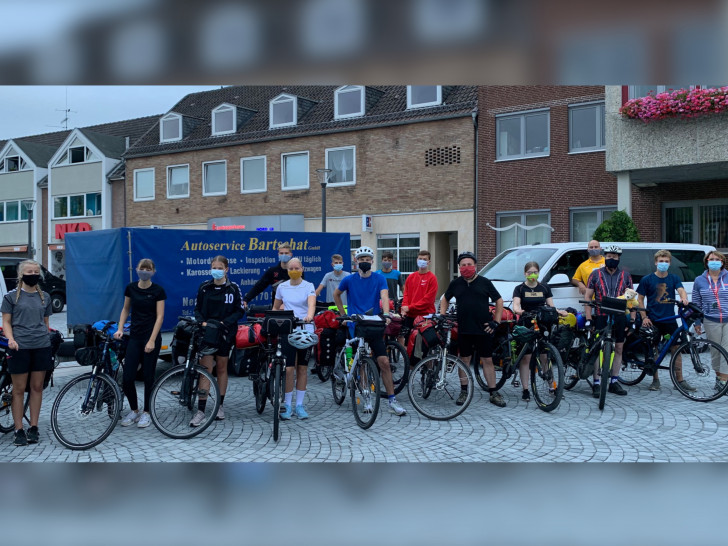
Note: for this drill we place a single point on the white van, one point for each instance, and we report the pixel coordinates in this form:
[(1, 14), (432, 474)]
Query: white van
[(558, 262), (3, 288)]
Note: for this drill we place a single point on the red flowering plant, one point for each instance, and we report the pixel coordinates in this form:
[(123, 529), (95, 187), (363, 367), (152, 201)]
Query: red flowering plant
[(683, 103)]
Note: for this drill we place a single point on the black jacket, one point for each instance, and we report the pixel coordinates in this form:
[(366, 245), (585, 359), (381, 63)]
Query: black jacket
[(219, 302), (272, 276)]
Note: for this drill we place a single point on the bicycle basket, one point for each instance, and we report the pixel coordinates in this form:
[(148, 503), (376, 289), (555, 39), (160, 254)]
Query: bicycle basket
[(523, 335), (613, 306), (547, 317), (88, 356), (277, 323), (692, 313)]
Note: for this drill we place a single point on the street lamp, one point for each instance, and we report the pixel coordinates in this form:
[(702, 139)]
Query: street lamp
[(323, 175), (29, 206)]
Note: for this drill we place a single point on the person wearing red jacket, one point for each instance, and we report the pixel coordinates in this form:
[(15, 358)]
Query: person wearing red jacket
[(420, 291)]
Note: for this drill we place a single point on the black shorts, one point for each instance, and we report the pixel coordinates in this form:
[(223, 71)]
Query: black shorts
[(376, 344), (667, 328), (482, 343), (618, 328), (30, 360)]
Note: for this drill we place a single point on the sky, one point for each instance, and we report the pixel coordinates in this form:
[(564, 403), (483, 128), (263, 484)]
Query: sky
[(32, 110)]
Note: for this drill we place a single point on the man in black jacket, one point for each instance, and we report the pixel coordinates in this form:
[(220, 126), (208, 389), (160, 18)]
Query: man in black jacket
[(273, 275)]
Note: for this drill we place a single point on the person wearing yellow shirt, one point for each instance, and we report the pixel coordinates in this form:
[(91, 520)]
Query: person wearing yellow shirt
[(595, 261)]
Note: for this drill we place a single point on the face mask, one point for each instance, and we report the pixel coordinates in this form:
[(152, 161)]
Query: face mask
[(284, 257), (663, 266), (611, 263), (467, 271), (217, 274), (386, 266), (365, 266), (532, 276), (713, 265), (594, 252), (295, 274), (144, 275), (31, 280), (421, 264), (338, 267)]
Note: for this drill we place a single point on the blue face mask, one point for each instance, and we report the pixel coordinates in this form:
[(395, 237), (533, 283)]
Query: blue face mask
[(663, 266), (284, 257), (338, 267), (217, 274), (714, 265), (386, 266), (421, 263)]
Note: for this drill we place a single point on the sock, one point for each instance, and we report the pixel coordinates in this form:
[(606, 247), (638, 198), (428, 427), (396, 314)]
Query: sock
[(201, 404), (464, 388), (391, 398), (222, 399), (299, 397), (491, 391), (614, 379), (288, 398), (596, 381)]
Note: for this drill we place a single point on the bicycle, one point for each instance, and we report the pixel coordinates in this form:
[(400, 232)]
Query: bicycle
[(357, 372), (437, 380), (641, 357), (187, 387), (78, 417)]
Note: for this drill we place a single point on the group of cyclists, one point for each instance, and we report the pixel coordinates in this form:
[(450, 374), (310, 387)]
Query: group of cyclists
[(220, 305)]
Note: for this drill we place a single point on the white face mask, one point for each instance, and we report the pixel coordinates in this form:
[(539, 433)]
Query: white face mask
[(421, 263)]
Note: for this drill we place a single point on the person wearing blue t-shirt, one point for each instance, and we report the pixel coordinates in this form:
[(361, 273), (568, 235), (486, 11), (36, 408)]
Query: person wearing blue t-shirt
[(364, 290), (657, 288), (394, 278)]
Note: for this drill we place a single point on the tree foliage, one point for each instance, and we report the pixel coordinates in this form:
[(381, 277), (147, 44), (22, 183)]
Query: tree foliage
[(618, 227)]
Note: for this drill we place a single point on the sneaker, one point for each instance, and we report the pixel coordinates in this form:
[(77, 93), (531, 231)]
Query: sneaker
[(20, 438), (145, 420), (616, 388), (395, 408), (286, 413), (719, 385), (33, 435), (301, 412), (655, 386), (595, 390), (131, 418), (526, 396), (462, 398), (687, 386), (198, 419), (220, 414), (497, 399)]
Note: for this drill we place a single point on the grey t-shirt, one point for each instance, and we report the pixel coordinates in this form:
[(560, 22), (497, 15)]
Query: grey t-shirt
[(331, 282), (29, 328)]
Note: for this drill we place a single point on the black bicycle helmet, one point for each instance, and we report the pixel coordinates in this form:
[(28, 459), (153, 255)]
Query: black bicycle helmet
[(649, 333), (467, 254)]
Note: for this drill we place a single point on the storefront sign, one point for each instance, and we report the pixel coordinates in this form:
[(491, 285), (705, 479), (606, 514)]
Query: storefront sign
[(272, 222), (62, 229)]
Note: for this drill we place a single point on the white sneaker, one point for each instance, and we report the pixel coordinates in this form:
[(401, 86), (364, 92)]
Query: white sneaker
[(198, 419), (220, 414), (145, 420), (131, 418), (395, 408)]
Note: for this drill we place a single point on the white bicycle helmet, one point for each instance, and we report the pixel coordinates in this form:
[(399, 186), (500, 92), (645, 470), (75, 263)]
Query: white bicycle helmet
[(302, 339), (363, 251), (613, 249)]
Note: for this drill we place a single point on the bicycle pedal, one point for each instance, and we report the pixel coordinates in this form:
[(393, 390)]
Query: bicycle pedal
[(516, 383), (174, 393)]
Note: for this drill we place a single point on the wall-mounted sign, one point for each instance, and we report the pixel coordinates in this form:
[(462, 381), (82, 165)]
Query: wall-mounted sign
[(272, 222), (366, 223), (62, 229)]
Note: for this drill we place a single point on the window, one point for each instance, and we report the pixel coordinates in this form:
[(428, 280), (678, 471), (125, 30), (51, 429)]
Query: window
[(419, 96), (144, 185), (702, 222), (295, 171), (354, 243), (12, 162), (584, 221), (523, 135), (224, 120), (283, 111), (13, 211), (638, 91), (523, 231), (404, 246), (342, 162), (349, 102), (586, 127), (178, 181), (60, 207), (77, 152), (170, 128), (76, 206), (93, 204), (253, 176), (214, 178)]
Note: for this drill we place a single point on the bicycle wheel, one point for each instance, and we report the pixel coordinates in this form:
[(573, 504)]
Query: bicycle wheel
[(78, 421), (6, 399), (276, 400), (634, 356), (364, 389), (338, 379), (175, 400), (547, 377), (439, 403), (606, 357), (501, 363), (701, 358), (324, 372), (571, 366), (400, 365), (260, 392)]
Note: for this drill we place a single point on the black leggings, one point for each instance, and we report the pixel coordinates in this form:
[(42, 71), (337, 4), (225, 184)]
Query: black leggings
[(135, 354)]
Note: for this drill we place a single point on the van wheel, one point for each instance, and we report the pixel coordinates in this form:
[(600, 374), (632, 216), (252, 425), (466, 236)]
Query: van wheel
[(58, 301)]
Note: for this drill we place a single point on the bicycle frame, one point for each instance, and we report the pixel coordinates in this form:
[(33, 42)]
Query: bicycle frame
[(103, 366)]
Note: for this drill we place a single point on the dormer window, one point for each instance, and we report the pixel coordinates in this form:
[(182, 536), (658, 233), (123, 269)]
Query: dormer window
[(77, 152), (283, 111), (349, 102), (224, 120), (419, 96), (12, 162), (170, 128)]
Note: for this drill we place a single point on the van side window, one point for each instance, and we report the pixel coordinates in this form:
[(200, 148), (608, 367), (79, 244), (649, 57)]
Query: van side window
[(567, 264), (687, 264), (639, 262)]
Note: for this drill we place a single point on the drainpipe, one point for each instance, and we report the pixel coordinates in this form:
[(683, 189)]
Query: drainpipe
[(474, 115)]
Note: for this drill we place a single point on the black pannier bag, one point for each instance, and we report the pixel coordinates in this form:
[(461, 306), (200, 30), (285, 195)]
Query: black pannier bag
[(88, 356), (83, 336)]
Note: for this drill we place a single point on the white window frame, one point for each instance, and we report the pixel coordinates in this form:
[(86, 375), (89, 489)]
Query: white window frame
[(599, 127), (265, 173), (280, 99), (523, 115), (523, 214), (600, 216), (169, 167), (22, 164), (283, 171), (154, 183), (224, 108), (436, 102), (660, 89), (89, 156), (161, 127), (21, 208), (354, 243), (204, 178), (85, 195), (340, 184), (350, 89), (397, 249)]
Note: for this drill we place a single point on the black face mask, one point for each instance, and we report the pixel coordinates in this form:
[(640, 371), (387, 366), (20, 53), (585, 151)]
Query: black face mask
[(365, 266), (31, 280), (611, 263)]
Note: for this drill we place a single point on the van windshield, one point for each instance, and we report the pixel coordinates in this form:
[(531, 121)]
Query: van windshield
[(508, 265)]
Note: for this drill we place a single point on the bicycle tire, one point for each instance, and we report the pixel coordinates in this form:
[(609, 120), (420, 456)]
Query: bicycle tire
[(400, 367), (364, 390), (700, 371), (260, 393), (547, 380), (78, 428), (6, 413), (276, 401), (605, 356), (324, 372), (171, 413), (634, 356), (478, 372), (571, 365), (338, 379), (439, 404)]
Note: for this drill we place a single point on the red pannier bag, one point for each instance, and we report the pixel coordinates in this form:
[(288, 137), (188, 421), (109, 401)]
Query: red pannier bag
[(248, 335), (326, 319), (394, 327), (425, 329)]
